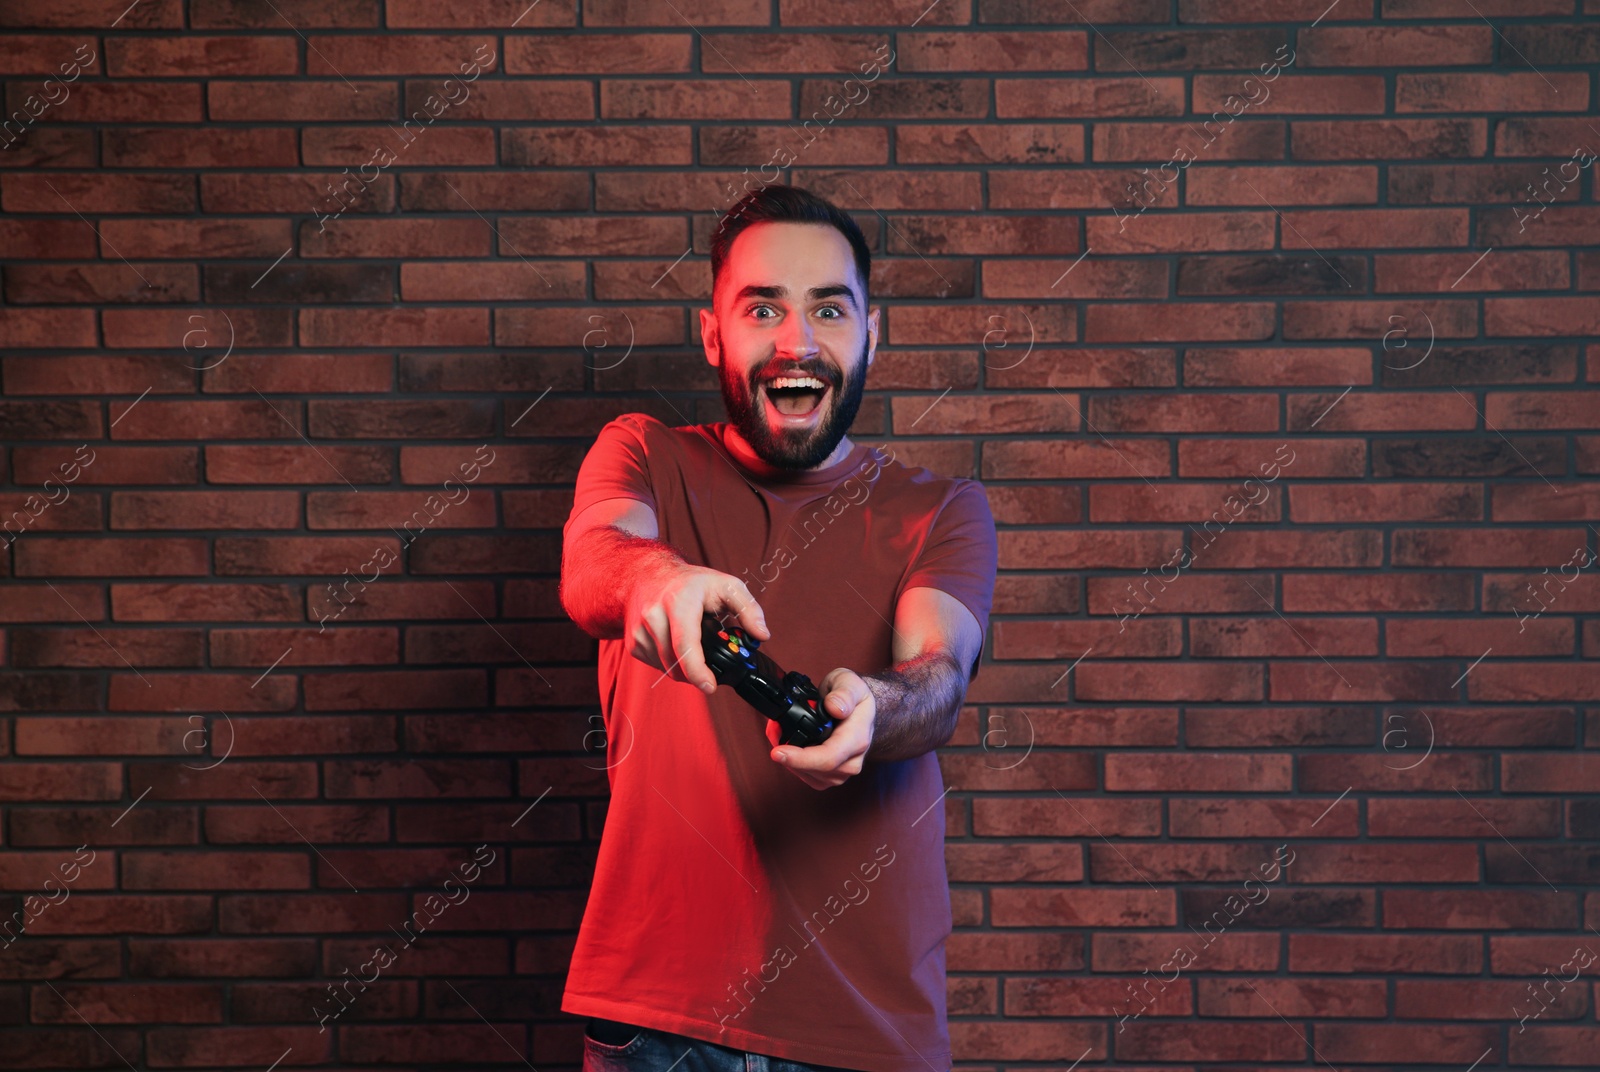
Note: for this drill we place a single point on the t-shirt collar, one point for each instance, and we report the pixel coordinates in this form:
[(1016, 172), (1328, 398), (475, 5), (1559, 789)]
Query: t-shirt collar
[(763, 470)]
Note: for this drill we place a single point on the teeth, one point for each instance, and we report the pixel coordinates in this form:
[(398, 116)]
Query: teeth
[(798, 381)]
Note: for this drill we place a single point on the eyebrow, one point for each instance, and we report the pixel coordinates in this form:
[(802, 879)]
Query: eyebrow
[(829, 290)]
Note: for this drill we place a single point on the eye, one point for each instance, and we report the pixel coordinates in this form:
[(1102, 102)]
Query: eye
[(756, 308), (837, 310)]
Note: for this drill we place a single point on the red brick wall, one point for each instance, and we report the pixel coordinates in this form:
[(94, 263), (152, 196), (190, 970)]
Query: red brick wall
[(1313, 290)]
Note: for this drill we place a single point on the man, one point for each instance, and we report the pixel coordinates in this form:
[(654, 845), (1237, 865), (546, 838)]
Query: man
[(753, 903)]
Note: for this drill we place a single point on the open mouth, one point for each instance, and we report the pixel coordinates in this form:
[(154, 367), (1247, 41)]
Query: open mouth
[(795, 399)]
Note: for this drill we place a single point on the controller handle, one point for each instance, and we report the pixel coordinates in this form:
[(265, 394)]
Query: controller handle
[(788, 698)]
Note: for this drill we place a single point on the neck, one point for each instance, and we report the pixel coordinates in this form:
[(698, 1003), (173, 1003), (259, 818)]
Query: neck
[(839, 454)]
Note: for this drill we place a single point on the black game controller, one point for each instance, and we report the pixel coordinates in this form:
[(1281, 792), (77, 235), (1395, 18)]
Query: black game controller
[(789, 699)]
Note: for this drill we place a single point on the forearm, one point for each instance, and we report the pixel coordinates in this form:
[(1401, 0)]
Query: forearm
[(916, 704), (601, 569)]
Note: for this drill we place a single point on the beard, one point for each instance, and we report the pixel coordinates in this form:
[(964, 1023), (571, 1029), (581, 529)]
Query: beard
[(794, 448)]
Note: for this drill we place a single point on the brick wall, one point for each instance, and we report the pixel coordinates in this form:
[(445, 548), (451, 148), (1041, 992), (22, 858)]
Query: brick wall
[(1269, 328)]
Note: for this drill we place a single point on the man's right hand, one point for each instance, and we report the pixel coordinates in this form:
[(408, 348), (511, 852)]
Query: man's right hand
[(664, 617)]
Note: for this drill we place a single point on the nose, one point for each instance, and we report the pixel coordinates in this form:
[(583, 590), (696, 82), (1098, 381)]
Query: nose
[(795, 338)]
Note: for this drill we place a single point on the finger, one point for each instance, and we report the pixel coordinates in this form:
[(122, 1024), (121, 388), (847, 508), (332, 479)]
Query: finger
[(647, 646), (735, 595), (686, 633)]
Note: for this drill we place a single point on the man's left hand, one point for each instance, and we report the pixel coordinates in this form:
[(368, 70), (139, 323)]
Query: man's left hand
[(854, 709)]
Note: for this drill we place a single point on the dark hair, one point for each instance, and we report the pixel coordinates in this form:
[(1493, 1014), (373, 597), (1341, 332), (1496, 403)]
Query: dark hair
[(789, 204)]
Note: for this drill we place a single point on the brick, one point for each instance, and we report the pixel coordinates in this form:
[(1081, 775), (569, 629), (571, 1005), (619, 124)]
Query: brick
[(1272, 187), (306, 191), (1093, 279), (537, 101), (454, 507), (1531, 92), (285, 823), (358, 147), (49, 508), (599, 53), (205, 510), (338, 645), (518, 280), (42, 603), (205, 602), (244, 419), (195, 55), (407, 601), (480, 643), (1167, 142), (299, 281), (46, 328), (1178, 322), (1396, 46), (1217, 367), (608, 146), (174, 1002), (93, 736), (431, 14), (106, 464), (597, 235), (1388, 411), (398, 54), (397, 238), (1374, 228), (1370, 319), (243, 556), (127, 556), (1182, 232), (99, 193), (188, 239), (1063, 98), (55, 782), (298, 464), (694, 99), (45, 692), (445, 418), (1368, 139), (415, 326), (486, 372), (301, 99), (123, 102), (809, 53), (486, 554), (96, 283), (88, 13), (1540, 316), (141, 147), (395, 689), (201, 692), (1225, 95), (106, 647), (896, 13), (412, 778), (301, 373), (970, 50), (1266, 275), (305, 14), (988, 143), (505, 464)]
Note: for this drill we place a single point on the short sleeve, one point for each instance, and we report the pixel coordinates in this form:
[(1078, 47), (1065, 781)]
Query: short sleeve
[(961, 554), (616, 467)]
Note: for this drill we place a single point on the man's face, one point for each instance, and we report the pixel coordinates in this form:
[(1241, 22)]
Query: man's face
[(788, 318)]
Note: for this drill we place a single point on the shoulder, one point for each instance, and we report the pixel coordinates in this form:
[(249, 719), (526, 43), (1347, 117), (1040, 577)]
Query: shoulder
[(649, 431), (921, 487)]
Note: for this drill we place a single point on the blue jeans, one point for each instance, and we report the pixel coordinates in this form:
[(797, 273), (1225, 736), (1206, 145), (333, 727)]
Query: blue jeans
[(660, 1051)]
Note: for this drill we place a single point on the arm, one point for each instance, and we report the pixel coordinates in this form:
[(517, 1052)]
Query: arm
[(916, 701), (901, 712), (619, 582), (607, 548)]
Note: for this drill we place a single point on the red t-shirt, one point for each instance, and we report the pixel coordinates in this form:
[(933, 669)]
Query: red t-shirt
[(731, 901)]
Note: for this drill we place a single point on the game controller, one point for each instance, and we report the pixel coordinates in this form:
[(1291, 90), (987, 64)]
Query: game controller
[(788, 698)]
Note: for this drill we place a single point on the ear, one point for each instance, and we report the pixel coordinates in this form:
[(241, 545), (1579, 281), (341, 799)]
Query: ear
[(872, 333), (709, 339)]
